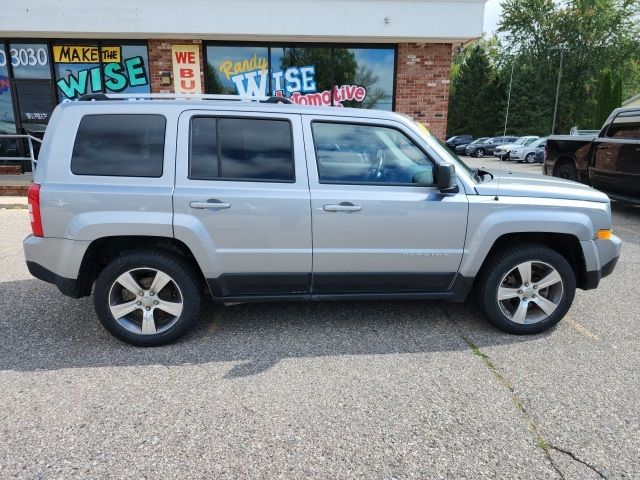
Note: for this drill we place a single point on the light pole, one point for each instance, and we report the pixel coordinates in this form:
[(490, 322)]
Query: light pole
[(555, 109), (506, 117)]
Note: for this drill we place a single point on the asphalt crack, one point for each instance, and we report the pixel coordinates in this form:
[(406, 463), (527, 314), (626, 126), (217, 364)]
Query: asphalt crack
[(541, 442)]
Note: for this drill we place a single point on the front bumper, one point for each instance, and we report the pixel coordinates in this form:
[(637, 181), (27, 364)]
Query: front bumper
[(603, 255)]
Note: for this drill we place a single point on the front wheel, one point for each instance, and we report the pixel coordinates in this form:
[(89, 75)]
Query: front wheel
[(530, 158), (147, 298), (480, 153), (526, 289)]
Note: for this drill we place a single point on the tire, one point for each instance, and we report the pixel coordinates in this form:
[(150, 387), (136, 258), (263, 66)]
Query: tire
[(567, 171), (502, 268), (530, 158), (145, 323), (479, 153)]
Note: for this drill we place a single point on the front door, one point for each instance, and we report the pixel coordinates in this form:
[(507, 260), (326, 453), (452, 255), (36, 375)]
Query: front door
[(615, 166), (242, 195), (379, 222)]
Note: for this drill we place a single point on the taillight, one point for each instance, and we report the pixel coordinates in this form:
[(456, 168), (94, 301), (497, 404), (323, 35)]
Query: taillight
[(33, 196)]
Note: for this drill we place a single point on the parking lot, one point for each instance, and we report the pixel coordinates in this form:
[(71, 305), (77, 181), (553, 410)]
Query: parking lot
[(414, 389)]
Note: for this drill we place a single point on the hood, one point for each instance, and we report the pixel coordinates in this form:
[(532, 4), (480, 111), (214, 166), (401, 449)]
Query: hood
[(513, 184)]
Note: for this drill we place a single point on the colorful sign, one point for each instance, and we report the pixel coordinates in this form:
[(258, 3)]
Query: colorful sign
[(186, 68), (251, 78), (116, 76), (84, 54), (4, 84)]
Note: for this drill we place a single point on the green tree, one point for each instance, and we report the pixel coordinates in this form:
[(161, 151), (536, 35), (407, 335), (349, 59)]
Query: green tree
[(604, 100), (477, 97), (596, 35)]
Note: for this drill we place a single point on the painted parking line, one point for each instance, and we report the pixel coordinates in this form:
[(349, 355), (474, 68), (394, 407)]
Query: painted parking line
[(581, 329)]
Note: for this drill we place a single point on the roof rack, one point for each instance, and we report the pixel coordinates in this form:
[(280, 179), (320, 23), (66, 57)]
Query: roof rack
[(179, 96)]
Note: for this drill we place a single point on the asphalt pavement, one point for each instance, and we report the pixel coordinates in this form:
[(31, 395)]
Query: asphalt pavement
[(321, 390)]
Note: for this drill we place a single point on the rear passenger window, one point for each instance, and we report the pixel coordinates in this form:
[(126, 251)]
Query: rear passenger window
[(119, 146), (241, 149)]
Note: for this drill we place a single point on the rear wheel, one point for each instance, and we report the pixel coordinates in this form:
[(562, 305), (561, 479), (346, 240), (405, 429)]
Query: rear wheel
[(147, 298), (526, 290), (567, 171)]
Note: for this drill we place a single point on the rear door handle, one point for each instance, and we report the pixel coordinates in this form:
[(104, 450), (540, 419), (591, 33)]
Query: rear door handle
[(342, 207), (211, 204)]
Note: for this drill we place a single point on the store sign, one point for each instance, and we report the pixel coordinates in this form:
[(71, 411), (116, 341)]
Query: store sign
[(186, 68), (117, 77), (250, 78), (84, 54)]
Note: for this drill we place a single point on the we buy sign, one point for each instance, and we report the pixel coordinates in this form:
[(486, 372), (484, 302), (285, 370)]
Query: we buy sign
[(186, 68)]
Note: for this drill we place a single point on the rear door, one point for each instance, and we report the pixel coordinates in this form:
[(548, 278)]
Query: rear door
[(242, 196), (375, 229), (615, 166)]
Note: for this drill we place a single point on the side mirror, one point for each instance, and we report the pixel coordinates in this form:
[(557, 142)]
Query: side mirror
[(447, 178)]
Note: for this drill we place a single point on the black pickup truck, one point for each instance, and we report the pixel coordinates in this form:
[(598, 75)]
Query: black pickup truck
[(609, 162)]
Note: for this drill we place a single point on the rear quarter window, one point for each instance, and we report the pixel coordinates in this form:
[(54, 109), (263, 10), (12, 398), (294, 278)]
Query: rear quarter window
[(119, 145)]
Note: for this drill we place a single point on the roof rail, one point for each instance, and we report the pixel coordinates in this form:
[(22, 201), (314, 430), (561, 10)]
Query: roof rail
[(180, 96)]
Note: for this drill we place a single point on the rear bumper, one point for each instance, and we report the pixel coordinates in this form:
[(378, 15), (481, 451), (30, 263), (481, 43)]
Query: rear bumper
[(55, 260), (67, 286)]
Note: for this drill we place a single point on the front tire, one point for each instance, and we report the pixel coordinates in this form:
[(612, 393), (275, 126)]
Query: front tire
[(525, 290), (147, 298), (480, 153), (530, 158)]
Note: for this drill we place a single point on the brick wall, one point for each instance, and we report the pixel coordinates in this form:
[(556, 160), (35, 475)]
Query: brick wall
[(160, 61), (422, 83)]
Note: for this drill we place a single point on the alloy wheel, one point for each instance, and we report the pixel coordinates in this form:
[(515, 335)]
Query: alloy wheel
[(530, 292), (145, 301)]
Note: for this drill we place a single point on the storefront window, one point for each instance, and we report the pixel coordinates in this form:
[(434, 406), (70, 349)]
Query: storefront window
[(237, 70), (91, 68), (370, 69), (30, 60), (7, 120), (319, 76)]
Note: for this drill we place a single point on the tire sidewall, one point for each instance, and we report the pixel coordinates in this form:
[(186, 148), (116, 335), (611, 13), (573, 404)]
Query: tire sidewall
[(179, 271), (505, 264)]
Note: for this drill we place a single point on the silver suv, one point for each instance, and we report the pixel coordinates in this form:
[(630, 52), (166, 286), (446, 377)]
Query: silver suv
[(145, 203)]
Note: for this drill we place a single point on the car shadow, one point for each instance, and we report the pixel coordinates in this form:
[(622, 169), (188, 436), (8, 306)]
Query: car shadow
[(40, 329)]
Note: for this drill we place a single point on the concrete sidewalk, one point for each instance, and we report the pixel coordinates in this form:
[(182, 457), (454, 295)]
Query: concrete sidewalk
[(13, 202)]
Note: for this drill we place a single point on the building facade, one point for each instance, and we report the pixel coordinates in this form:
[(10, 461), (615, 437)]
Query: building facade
[(384, 54)]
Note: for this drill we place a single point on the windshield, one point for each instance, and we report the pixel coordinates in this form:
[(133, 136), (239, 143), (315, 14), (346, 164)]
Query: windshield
[(441, 149), (538, 142)]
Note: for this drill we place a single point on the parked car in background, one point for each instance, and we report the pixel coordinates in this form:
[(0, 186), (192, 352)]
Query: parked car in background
[(541, 152), (488, 146), (576, 131), (609, 161), (527, 153), (460, 149), (457, 141), (502, 151)]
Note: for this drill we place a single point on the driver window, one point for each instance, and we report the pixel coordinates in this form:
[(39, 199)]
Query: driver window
[(369, 154)]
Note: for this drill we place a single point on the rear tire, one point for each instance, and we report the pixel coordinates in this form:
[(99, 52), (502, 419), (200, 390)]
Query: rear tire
[(567, 171), (515, 308), (165, 306)]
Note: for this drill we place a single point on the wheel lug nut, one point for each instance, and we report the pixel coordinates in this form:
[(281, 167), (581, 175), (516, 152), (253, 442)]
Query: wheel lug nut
[(155, 302), (525, 298), (141, 294), (526, 284), (139, 303), (535, 287), (533, 296), (148, 308), (151, 294), (520, 292)]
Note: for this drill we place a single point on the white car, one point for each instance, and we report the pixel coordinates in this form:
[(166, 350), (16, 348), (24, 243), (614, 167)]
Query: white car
[(527, 153), (502, 151)]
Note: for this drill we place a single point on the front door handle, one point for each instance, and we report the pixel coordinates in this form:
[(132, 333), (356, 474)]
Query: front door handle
[(211, 204), (342, 207)]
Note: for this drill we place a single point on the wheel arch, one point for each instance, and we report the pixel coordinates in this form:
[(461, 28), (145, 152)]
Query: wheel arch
[(103, 250)]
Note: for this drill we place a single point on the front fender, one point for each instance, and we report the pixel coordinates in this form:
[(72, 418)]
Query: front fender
[(489, 219)]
